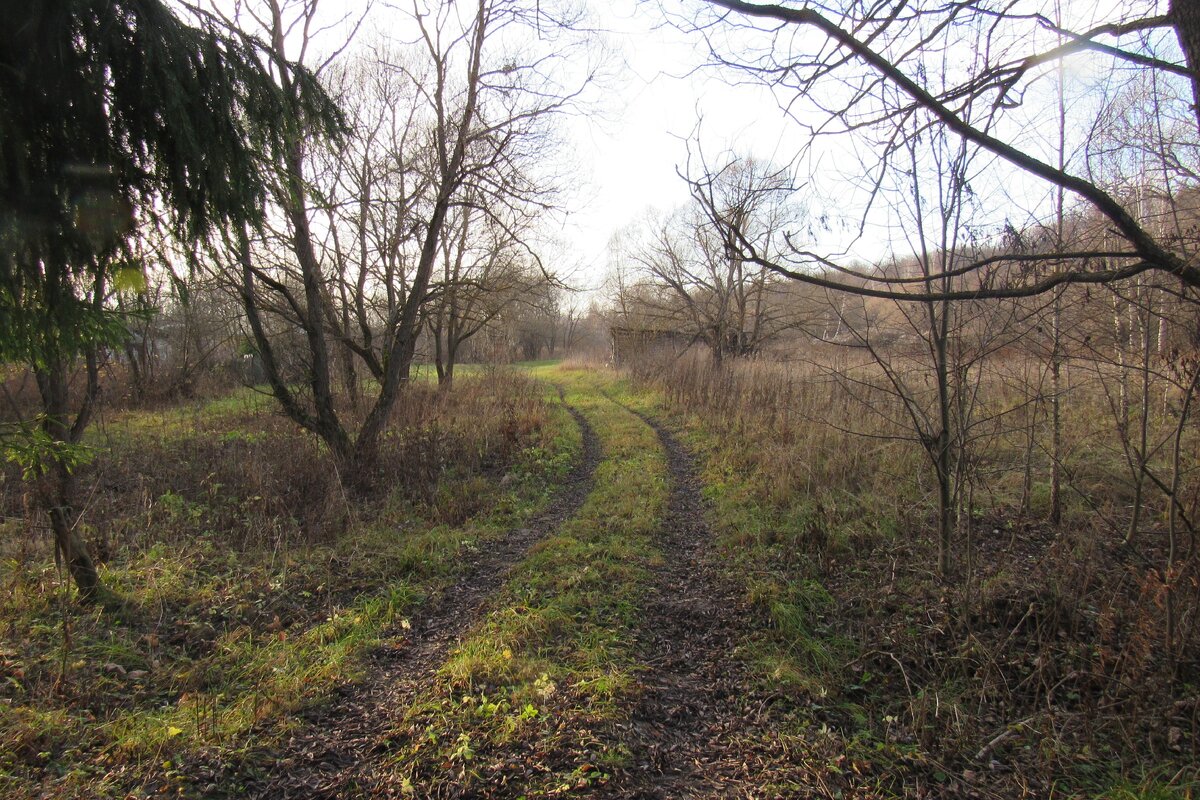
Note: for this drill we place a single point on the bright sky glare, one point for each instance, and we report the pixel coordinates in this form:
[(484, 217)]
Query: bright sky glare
[(629, 158), (624, 150), (623, 154)]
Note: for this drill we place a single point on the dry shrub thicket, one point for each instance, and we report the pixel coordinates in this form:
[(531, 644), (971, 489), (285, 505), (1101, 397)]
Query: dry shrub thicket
[(1045, 647), (243, 579), (233, 471)]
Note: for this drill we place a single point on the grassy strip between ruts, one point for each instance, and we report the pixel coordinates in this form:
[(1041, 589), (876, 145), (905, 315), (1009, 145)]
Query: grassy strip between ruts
[(522, 699), (244, 675)]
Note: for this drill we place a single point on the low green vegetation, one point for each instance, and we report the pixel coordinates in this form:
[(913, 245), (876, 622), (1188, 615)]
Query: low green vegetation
[(245, 585), (234, 602), (552, 664), (1023, 669)]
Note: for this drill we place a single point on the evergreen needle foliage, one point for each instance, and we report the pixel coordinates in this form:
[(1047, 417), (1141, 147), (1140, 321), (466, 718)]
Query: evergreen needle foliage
[(111, 112)]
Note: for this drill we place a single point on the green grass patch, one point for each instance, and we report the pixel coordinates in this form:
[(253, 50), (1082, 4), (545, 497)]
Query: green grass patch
[(214, 637), (773, 544), (553, 662)]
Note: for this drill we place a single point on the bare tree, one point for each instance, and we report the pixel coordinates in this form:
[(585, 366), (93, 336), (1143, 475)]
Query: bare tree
[(484, 272), (451, 121), (946, 342), (838, 67), (694, 284)]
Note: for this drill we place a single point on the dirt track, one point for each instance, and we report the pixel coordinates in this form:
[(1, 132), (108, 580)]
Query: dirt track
[(697, 729), (695, 708), (331, 755)]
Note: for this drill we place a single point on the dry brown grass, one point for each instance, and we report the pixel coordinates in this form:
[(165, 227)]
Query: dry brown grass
[(1057, 635), (238, 468), (244, 582)]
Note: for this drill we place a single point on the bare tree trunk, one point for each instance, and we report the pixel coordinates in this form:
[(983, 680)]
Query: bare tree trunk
[(1031, 428), (68, 544), (1119, 352), (310, 269), (327, 427), (349, 373), (1172, 623), (350, 379), (136, 357), (1056, 320), (439, 364), (58, 499), (1056, 413), (943, 457), (452, 345), (1186, 16), (404, 345), (1141, 453)]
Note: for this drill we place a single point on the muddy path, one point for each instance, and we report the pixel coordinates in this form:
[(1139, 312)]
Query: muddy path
[(332, 754), (698, 711)]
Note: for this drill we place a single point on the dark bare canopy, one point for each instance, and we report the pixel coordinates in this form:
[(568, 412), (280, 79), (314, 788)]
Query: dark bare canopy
[(115, 113), (845, 56)]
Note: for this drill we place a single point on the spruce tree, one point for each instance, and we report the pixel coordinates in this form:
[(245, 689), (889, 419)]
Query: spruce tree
[(115, 113)]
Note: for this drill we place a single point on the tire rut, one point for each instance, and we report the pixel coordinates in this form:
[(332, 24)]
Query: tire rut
[(697, 700), (332, 755)]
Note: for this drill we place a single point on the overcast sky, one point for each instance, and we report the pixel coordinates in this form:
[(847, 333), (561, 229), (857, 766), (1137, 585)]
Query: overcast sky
[(629, 156), (623, 155)]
